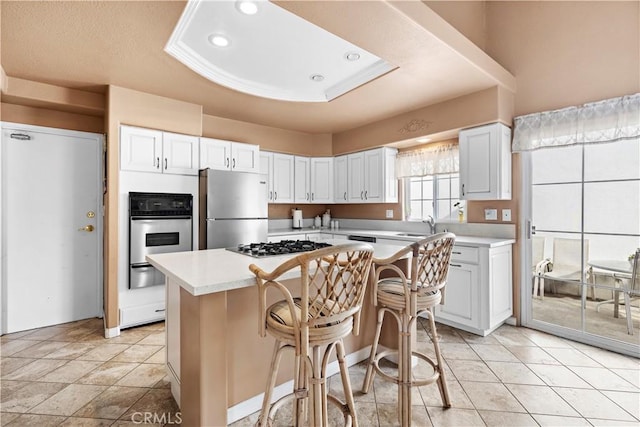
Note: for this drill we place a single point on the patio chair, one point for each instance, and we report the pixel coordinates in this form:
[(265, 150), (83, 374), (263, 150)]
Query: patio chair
[(566, 265), (632, 290), (539, 264)]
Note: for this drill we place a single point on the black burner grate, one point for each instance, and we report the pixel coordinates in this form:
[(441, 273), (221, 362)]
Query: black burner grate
[(282, 247)]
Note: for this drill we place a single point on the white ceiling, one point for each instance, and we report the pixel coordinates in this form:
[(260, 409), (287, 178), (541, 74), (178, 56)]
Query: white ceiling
[(271, 53), (89, 45)]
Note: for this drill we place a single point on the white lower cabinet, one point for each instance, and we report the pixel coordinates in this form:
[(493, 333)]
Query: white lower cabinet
[(461, 296), (478, 294)]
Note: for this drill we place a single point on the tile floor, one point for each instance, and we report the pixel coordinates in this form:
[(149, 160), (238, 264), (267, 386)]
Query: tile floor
[(69, 375)]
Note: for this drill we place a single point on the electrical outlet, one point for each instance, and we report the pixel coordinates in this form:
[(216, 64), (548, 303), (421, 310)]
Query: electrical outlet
[(389, 213), (491, 214), (506, 215)]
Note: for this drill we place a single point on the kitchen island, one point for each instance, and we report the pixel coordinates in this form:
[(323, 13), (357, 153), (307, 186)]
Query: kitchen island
[(217, 362)]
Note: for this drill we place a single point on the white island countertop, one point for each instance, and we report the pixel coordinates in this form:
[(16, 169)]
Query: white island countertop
[(218, 270)]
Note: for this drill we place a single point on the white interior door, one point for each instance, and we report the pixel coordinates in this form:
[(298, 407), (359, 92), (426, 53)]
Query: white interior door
[(52, 226)]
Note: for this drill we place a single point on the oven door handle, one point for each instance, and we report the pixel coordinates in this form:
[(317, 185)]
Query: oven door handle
[(141, 265)]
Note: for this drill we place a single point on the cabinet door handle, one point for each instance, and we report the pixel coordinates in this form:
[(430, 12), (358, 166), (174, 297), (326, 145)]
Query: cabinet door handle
[(157, 162), (270, 195), (275, 193), (463, 189), (227, 165), (456, 253), (307, 198), (455, 265), (345, 195), (234, 164), (361, 195), (165, 163), (312, 197), (365, 196)]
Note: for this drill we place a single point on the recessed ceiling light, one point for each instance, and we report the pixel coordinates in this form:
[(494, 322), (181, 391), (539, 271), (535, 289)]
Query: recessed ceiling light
[(317, 77), (218, 40), (352, 56), (423, 139), (247, 7)]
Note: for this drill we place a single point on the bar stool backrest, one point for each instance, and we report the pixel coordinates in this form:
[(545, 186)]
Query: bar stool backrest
[(428, 271), (333, 282)]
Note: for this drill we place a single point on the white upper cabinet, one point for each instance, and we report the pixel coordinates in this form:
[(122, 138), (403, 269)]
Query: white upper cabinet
[(355, 182), (371, 176), (181, 153), (266, 168), (485, 162), (302, 180), (149, 150), (340, 179), (228, 155), (245, 157), (313, 179), (282, 178), (321, 180)]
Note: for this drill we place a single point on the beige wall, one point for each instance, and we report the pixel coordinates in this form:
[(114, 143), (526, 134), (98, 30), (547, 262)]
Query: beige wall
[(466, 111), (566, 53), (268, 138), (468, 17), (50, 118)]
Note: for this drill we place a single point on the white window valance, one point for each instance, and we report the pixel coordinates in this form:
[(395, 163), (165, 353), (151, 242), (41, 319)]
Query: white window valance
[(603, 121), (428, 161)]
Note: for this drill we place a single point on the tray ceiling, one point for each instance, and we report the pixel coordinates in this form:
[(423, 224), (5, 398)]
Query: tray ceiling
[(87, 45)]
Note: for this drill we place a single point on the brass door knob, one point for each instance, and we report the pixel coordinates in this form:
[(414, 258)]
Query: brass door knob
[(88, 228)]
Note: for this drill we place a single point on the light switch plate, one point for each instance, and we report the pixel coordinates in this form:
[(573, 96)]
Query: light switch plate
[(506, 215), (491, 214), (389, 213)]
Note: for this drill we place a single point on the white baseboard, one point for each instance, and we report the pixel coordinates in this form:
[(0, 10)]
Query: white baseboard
[(254, 404), (112, 332)]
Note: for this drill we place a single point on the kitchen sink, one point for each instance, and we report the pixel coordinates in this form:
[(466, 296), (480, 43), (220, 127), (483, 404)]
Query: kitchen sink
[(411, 235)]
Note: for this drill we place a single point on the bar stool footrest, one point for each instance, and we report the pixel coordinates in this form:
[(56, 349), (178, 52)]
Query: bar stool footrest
[(348, 417), (417, 382)]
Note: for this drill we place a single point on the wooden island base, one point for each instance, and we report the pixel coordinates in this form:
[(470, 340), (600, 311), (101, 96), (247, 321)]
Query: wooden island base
[(223, 362)]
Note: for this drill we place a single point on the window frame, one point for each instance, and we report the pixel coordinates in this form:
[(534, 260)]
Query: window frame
[(435, 179)]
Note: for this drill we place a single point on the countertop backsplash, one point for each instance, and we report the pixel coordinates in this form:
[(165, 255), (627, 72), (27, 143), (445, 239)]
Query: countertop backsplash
[(507, 231)]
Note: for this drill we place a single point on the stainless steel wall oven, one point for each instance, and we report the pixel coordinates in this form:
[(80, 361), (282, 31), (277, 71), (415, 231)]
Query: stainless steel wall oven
[(158, 223)]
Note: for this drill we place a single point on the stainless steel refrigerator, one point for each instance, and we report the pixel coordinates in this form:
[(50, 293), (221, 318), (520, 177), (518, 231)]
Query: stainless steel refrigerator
[(233, 208)]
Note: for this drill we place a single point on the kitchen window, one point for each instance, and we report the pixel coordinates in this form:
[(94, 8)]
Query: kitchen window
[(431, 182), (434, 195)]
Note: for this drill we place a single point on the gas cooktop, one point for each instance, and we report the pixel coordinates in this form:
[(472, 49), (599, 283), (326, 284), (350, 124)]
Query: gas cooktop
[(261, 250)]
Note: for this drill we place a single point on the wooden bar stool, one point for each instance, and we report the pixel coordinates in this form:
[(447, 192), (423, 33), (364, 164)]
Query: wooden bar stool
[(405, 298), (333, 281)]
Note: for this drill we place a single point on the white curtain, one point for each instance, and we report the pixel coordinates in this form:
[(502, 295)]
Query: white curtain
[(603, 121), (428, 161)]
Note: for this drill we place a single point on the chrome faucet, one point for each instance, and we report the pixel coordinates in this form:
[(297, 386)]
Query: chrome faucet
[(432, 224)]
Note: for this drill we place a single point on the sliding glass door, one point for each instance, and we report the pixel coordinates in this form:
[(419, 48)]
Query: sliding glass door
[(582, 210)]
